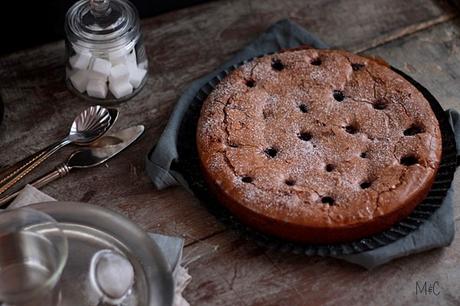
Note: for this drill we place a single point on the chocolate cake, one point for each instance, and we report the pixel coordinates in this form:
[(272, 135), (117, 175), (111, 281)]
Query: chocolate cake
[(318, 146)]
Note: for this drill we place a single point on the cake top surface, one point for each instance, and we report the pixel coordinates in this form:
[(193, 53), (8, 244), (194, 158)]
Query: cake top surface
[(319, 137)]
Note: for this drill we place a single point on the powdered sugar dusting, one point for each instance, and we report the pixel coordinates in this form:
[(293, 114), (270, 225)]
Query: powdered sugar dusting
[(333, 130)]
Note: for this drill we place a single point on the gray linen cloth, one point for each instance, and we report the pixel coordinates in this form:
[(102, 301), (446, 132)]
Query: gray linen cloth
[(436, 232)]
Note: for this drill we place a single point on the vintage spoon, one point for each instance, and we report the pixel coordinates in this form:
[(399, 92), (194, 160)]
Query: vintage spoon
[(88, 126), (92, 156), (6, 171)]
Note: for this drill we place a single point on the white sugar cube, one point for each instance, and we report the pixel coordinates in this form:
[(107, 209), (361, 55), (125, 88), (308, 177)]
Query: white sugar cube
[(101, 66), (118, 57), (119, 74), (120, 89), (96, 88), (114, 274), (132, 57), (119, 60), (79, 80), (143, 65), (136, 76), (92, 75), (132, 66), (80, 61)]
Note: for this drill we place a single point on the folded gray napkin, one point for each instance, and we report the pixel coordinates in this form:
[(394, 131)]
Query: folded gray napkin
[(438, 231), (170, 246)]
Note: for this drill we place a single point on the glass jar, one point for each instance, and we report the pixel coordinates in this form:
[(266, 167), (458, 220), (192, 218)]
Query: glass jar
[(105, 54)]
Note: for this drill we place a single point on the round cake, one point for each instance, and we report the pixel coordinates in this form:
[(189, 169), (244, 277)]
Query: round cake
[(318, 146)]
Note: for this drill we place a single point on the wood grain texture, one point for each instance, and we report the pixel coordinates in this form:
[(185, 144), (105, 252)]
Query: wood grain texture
[(183, 46)]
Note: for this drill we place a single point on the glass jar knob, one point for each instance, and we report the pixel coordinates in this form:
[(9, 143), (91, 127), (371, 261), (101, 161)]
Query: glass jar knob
[(100, 7)]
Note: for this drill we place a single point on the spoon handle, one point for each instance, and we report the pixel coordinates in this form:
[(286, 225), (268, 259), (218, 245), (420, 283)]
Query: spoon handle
[(14, 177), (60, 171), (8, 172)]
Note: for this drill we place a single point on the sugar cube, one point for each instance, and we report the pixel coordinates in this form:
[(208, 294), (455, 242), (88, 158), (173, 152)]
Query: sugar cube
[(119, 60), (79, 80), (131, 66), (121, 89), (132, 57), (118, 57), (119, 73), (80, 61), (101, 66), (92, 75), (96, 88), (143, 64), (136, 76)]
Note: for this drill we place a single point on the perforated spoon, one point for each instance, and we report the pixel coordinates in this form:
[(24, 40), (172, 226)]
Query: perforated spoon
[(87, 127)]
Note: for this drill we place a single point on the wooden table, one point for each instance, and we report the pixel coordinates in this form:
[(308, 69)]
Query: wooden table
[(420, 37)]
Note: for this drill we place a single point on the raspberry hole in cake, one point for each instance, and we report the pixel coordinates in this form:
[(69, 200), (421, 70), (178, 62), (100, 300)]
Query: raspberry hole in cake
[(338, 95), (280, 184), (351, 129), (330, 167), (316, 61), (303, 108), (409, 160), (327, 200), (250, 83), (414, 129), (305, 136), (277, 65), (380, 104), (356, 66), (271, 152), (365, 184), (267, 113)]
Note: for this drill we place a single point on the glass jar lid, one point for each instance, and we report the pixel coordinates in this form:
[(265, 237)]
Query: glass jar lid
[(102, 24)]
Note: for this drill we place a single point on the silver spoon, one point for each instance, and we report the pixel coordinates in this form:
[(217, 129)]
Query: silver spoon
[(91, 156), (6, 171), (88, 126)]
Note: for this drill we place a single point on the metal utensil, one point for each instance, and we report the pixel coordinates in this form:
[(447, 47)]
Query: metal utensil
[(88, 126), (8, 170), (88, 157)]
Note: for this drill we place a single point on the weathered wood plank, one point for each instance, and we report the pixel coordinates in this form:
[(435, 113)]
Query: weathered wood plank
[(231, 270), (227, 263), (432, 57)]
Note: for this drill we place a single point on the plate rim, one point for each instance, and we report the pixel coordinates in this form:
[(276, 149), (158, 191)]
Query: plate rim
[(156, 266)]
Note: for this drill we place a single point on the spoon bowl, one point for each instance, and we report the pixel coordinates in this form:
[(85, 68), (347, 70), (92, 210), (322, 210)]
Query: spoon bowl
[(87, 127)]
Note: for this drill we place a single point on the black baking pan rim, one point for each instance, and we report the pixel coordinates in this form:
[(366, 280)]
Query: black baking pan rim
[(187, 164)]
